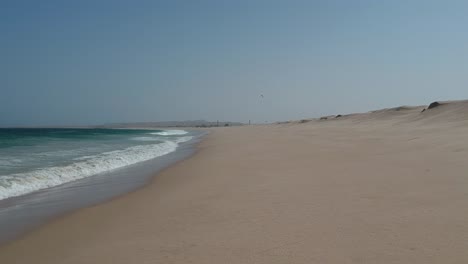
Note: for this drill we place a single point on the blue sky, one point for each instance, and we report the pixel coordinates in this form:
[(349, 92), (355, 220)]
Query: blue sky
[(92, 62)]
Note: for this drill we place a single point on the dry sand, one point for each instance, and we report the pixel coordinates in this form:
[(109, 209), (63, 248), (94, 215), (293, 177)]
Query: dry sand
[(389, 186)]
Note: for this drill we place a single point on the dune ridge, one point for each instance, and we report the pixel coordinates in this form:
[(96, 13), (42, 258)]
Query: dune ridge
[(441, 111)]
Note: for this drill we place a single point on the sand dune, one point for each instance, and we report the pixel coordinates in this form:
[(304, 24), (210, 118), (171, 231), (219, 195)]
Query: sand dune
[(388, 186), (443, 111)]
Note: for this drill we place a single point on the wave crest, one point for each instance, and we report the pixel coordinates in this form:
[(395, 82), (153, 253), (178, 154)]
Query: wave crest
[(23, 183), (146, 139), (170, 133)]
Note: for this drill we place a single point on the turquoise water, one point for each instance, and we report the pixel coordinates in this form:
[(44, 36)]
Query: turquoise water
[(35, 159)]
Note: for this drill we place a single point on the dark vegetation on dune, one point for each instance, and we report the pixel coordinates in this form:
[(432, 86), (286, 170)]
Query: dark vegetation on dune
[(433, 105)]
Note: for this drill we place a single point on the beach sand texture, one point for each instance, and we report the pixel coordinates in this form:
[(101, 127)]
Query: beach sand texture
[(388, 186)]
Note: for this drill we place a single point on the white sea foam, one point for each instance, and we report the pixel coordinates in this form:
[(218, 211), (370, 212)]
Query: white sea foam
[(170, 133), (146, 139), (60, 153), (23, 183)]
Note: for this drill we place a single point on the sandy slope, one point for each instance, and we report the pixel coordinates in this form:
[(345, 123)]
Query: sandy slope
[(389, 186)]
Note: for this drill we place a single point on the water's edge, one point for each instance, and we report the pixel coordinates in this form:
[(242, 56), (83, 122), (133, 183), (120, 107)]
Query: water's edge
[(20, 215)]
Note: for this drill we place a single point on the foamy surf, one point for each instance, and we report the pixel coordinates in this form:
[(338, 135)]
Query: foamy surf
[(170, 133), (84, 165), (146, 139)]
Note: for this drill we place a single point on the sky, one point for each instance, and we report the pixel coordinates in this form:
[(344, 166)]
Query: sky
[(103, 61)]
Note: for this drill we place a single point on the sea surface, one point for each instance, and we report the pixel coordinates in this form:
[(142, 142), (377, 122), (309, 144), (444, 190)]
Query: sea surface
[(40, 158)]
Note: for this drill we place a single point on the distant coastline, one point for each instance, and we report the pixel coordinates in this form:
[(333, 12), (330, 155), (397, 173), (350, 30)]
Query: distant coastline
[(169, 124), (140, 125)]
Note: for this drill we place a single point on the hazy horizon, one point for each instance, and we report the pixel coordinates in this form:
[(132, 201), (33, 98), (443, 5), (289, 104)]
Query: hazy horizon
[(96, 62)]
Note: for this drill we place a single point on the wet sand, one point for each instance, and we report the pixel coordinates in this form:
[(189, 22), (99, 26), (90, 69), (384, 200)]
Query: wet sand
[(381, 187)]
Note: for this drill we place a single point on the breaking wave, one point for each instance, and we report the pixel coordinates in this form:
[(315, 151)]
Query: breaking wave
[(86, 166), (170, 133)]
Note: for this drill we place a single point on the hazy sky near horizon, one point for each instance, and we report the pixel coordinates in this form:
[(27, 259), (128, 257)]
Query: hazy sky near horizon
[(102, 61)]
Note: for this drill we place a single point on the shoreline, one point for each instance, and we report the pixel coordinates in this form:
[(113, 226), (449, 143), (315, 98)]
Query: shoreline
[(319, 192), (21, 215)]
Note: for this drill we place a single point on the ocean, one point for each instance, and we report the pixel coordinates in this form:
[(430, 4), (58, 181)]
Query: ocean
[(47, 172), (40, 158)]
